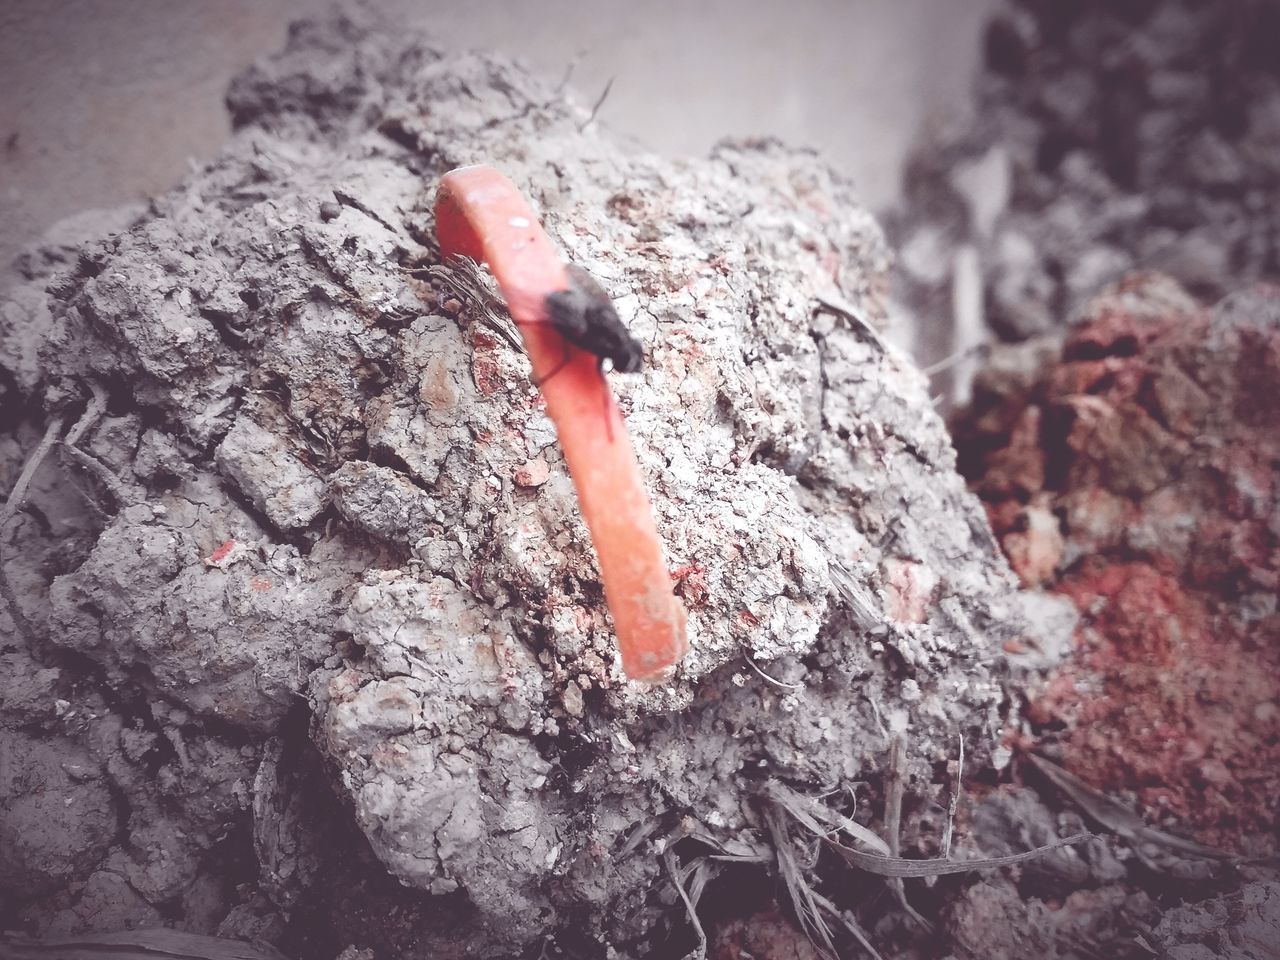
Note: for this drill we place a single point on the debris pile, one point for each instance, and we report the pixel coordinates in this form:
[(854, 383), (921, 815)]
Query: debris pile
[(303, 639), (1136, 477), (1105, 137)]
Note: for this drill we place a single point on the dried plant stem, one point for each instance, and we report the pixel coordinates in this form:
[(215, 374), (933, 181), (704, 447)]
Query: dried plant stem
[(895, 791), (956, 791), (17, 497), (673, 869)]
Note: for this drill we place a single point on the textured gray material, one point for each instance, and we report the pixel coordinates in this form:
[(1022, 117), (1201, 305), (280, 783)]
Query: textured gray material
[(1243, 926), (1104, 139), (330, 497)]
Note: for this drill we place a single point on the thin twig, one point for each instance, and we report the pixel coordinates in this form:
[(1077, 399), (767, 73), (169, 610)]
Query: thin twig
[(464, 278), (83, 489), (777, 683), (810, 814), (93, 412), (109, 478), (847, 920), (948, 830), (849, 312), (18, 497), (638, 835), (901, 867), (802, 895), (669, 861), (598, 104), (1117, 818), (570, 67), (954, 805), (154, 942), (895, 791), (820, 819), (859, 600), (875, 712), (946, 363), (697, 875)]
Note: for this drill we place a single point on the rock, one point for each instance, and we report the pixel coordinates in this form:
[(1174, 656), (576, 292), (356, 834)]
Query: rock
[(1133, 477), (1244, 925), (532, 474), (993, 921), (272, 476), (1034, 547), (106, 902), (57, 822), (350, 540), (382, 501)]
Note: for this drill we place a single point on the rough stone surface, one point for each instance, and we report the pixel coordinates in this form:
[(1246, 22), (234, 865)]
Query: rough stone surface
[(295, 537), (59, 814), (1244, 925)]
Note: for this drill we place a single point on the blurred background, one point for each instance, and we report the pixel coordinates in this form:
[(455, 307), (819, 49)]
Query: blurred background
[(1021, 154), (106, 103)]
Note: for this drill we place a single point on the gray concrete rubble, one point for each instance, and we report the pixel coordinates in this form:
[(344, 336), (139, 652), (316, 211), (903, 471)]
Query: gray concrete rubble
[(304, 522), (1104, 138)]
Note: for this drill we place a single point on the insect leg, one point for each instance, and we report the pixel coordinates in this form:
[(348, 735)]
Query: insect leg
[(568, 355), (606, 396)]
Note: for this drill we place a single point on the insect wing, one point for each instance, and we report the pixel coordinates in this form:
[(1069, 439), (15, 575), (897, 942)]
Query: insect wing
[(586, 284)]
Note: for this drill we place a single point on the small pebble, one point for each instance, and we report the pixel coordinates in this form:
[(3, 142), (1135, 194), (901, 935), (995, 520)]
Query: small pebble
[(532, 474)]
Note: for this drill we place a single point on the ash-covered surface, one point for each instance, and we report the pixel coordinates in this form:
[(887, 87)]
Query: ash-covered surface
[(1105, 137), (1104, 898), (1243, 925), (304, 527)]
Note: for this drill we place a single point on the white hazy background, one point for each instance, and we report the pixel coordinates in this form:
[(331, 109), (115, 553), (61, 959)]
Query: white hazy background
[(104, 102)]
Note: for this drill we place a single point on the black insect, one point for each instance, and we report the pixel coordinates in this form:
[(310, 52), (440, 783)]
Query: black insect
[(585, 317)]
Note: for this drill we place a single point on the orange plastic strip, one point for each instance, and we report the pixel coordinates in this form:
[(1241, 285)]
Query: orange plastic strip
[(481, 214)]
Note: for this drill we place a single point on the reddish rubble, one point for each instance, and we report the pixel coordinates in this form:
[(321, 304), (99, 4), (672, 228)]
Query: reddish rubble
[(1136, 476)]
